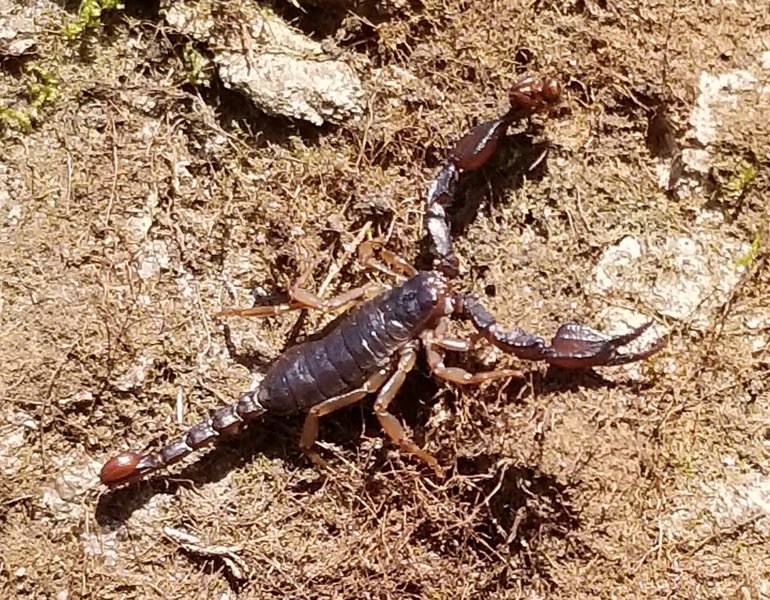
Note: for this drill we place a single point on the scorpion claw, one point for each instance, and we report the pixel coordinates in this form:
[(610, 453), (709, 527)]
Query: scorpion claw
[(576, 346)]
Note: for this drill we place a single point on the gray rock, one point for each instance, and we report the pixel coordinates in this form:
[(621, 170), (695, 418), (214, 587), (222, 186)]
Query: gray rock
[(281, 71)]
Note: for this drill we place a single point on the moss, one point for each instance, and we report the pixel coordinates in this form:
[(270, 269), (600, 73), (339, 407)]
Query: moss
[(44, 87), (747, 259), (193, 62), (745, 174), (15, 119), (90, 16)]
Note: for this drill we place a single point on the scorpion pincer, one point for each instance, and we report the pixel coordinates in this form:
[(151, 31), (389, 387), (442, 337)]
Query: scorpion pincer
[(373, 347)]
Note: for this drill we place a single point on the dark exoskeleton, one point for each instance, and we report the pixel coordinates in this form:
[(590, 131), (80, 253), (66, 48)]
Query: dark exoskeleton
[(373, 347)]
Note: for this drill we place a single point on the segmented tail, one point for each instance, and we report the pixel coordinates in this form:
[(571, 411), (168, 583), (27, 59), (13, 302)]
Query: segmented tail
[(227, 421)]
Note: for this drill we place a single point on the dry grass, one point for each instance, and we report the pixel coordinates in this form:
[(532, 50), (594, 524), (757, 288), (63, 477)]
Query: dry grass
[(140, 201)]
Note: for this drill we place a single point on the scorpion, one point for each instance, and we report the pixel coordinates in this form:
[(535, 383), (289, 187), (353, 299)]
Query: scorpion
[(373, 346)]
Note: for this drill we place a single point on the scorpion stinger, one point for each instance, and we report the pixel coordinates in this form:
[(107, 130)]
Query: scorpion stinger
[(527, 97)]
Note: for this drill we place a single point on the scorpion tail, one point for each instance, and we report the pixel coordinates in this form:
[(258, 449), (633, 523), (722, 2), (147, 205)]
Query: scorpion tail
[(527, 97), (227, 421)]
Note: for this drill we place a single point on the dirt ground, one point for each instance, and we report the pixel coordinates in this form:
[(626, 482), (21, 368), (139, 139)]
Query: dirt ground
[(139, 195)]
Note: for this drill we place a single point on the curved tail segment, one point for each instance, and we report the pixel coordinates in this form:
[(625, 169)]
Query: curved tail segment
[(224, 422), (527, 97)]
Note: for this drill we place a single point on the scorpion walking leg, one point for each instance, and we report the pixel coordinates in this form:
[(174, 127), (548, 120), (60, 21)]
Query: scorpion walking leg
[(308, 299), (574, 346), (389, 423), (388, 262), (302, 298), (435, 342), (310, 428)]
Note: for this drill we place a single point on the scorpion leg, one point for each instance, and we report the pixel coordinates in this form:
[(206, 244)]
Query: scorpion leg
[(574, 346), (436, 341), (389, 423), (301, 299), (308, 299), (388, 262), (310, 428)]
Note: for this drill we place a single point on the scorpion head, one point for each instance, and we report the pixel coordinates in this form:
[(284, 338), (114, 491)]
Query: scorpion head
[(423, 299)]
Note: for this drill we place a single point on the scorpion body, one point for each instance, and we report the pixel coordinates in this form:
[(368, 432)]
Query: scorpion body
[(362, 344), (372, 347)]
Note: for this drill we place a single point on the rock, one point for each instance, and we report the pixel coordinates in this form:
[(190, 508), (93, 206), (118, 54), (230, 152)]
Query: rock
[(135, 375), (757, 325), (616, 258), (16, 29), (718, 101), (281, 71), (696, 274), (81, 397), (153, 257), (701, 276), (14, 426), (715, 90), (764, 60), (64, 499), (719, 507)]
